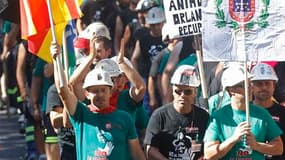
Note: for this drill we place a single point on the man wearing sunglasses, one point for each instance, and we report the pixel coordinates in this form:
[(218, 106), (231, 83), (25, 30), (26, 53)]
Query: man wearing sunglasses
[(230, 136), (176, 130)]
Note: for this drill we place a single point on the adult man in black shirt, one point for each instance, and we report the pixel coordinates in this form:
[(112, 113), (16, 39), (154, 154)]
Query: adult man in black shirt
[(263, 86), (176, 130)]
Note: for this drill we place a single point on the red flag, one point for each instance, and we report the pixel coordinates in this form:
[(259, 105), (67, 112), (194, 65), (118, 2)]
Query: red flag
[(35, 25)]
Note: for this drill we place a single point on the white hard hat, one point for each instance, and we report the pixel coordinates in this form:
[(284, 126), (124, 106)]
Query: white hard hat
[(97, 77), (109, 66), (233, 75), (155, 15), (186, 75), (98, 28), (262, 71), (126, 60), (144, 5)]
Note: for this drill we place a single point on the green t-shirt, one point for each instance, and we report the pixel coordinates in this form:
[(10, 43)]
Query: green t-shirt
[(224, 121), (46, 83), (102, 136), (6, 27), (136, 111), (190, 60), (163, 63), (218, 100)]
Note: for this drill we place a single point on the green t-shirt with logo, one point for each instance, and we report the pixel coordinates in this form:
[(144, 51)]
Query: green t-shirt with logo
[(102, 136), (224, 121)]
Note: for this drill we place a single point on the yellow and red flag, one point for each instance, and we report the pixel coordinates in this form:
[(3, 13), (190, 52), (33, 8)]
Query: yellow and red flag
[(35, 24)]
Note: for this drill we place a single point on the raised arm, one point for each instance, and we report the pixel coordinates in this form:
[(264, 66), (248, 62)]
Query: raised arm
[(118, 33), (136, 54), (77, 78), (169, 68), (65, 92), (138, 89)]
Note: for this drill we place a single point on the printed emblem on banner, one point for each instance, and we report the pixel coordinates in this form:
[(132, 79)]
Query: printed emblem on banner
[(242, 13), (242, 10)]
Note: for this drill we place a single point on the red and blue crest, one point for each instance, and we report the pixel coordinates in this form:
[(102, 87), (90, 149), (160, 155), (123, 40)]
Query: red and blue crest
[(242, 10)]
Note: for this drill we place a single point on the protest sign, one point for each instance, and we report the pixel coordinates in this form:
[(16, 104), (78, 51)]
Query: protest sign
[(184, 17)]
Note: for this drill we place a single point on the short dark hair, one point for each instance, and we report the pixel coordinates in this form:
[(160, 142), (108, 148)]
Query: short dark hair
[(107, 43)]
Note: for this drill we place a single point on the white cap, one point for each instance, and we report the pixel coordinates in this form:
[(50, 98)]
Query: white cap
[(97, 77), (155, 15), (262, 71), (98, 28), (126, 60), (186, 75), (109, 66), (233, 75)]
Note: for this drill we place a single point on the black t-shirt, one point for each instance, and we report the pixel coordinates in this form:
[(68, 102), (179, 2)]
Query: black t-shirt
[(67, 142), (187, 47), (177, 136), (128, 16), (137, 31), (279, 92), (150, 46), (278, 114), (100, 10)]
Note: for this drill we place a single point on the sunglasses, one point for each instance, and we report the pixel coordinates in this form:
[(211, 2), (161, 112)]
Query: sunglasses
[(186, 92)]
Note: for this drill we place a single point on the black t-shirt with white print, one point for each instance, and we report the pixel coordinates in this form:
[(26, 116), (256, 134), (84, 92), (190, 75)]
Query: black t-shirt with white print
[(278, 115), (177, 136)]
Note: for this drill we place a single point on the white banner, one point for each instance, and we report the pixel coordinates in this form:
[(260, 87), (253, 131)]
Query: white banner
[(264, 24), (184, 17)]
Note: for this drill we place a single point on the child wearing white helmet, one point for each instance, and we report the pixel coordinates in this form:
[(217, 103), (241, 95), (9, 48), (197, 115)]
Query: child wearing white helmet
[(237, 138)]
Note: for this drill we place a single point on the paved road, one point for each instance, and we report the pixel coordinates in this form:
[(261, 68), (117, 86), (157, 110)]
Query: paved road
[(12, 143)]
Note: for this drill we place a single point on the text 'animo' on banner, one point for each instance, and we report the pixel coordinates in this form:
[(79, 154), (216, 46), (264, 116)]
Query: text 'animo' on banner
[(184, 17)]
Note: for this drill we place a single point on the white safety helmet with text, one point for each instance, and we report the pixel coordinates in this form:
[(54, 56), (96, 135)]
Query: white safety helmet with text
[(109, 66), (126, 60), (263, 71), (186, 75), (97, 77)]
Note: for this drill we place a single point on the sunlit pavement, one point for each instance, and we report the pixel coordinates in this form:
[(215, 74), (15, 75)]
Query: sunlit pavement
[(12, 143)]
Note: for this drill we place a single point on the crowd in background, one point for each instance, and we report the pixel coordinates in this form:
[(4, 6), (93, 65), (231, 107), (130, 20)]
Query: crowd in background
[(123, 51)]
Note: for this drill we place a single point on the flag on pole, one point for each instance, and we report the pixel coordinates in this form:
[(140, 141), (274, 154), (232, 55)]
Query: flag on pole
[(70, 35), (262, 20), (35, 25)]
